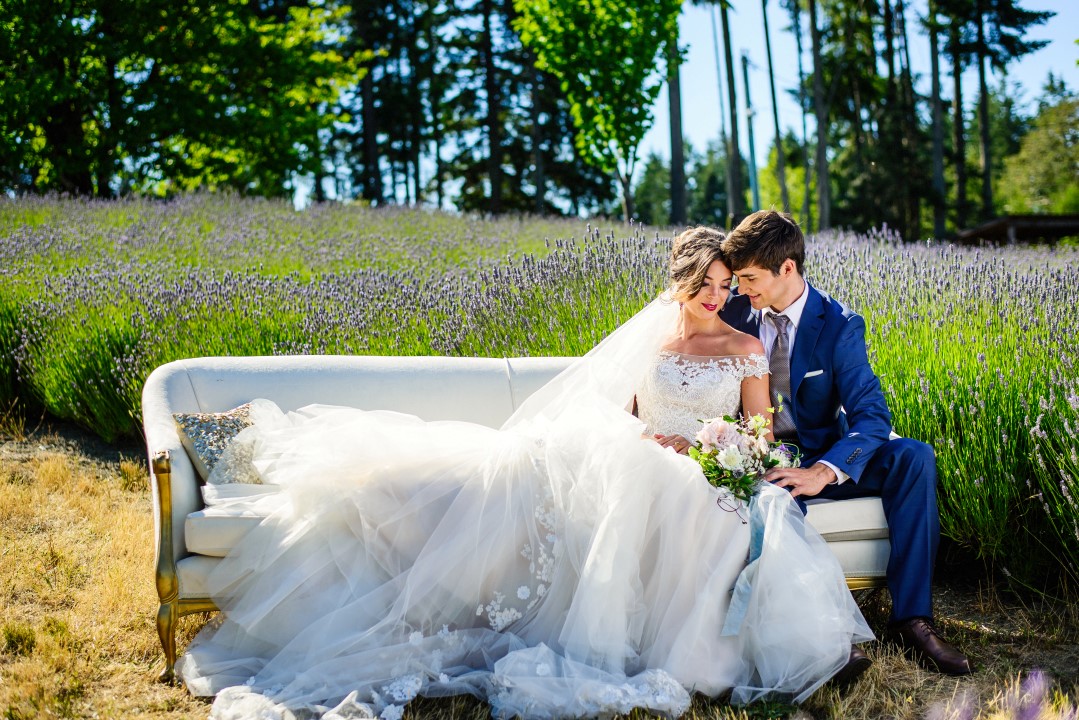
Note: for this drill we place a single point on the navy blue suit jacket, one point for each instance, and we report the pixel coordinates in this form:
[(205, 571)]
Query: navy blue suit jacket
[(838, 406)]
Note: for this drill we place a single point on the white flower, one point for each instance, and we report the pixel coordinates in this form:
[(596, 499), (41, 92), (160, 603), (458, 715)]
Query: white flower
[(543, 669), (524, 592), (730, 458), (756, 424), (392, 712), (415, 638), (780, 457), (443, 678)]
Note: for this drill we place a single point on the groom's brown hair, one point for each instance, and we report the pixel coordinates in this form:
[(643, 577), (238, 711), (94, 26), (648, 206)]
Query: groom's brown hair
[(765, 239)]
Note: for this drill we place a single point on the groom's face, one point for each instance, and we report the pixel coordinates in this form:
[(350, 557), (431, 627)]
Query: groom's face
[(765, 288)]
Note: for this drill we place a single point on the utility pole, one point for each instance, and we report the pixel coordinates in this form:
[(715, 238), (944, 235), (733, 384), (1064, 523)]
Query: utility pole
[(734, 158), (754, 186), (722, 118), (781, 160)]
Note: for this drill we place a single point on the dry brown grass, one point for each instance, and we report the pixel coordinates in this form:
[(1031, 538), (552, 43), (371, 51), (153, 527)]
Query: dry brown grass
[(12, 421), (77, 605)]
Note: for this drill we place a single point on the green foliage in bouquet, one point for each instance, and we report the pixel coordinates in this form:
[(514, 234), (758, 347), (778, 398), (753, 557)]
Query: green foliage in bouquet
[(734, 454)]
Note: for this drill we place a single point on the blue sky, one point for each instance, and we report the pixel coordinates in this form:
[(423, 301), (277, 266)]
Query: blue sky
[(700, 98)]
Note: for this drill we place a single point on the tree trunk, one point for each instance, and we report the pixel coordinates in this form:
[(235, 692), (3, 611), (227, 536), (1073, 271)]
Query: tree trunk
[(112, 124), (437, 142), (889, 54), (959, 131), (983, 121), (754, 181), (736, 195), (66, 140), (820, 107), (781, 161), (938, 127), (109, 129), (372, 173), (910, 124), (678, 158), (434, 95), (539, 176), (624, 181), (859, 129), (416, 114), (320, 170), (494, 134)]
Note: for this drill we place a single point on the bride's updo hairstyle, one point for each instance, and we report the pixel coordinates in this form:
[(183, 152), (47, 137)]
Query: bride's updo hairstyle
[(692, 253)]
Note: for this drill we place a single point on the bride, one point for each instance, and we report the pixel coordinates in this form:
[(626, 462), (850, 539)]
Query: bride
[(574, 562)]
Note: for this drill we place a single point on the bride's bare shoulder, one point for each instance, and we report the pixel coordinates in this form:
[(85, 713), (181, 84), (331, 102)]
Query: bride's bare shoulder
[(745, 344)]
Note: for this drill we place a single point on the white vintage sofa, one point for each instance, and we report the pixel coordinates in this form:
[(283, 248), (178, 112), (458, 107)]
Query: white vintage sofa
[(191, 540)]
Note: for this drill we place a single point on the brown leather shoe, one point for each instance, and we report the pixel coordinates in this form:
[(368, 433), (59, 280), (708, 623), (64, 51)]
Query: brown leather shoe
[(858, 663), (921, 640)]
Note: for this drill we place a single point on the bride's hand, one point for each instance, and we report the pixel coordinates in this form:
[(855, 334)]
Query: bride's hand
[(676, 442)]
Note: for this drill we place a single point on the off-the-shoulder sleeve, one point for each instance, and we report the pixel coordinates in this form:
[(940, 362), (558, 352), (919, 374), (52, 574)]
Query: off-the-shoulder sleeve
[(755, 365)]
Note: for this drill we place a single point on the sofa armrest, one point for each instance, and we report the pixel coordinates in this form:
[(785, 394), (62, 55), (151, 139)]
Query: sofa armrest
[(169, 390), (168, 585)]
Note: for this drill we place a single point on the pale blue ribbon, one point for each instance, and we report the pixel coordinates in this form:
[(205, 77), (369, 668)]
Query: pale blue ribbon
[(743, 587)]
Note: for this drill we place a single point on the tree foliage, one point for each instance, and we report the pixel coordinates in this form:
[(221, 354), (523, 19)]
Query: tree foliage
[(516, 106), (609, 57), (1043, 176), (106, 96)]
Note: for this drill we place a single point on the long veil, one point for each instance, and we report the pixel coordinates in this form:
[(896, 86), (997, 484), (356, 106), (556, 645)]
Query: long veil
[(611, 371)]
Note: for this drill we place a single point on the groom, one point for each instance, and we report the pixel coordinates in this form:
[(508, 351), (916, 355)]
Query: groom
[(834, 410)]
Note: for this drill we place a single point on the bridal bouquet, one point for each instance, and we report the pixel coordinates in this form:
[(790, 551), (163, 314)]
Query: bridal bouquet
[(734, 453)]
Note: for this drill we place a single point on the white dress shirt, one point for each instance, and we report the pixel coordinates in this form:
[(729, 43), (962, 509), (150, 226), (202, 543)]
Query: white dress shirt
[(793, 312)]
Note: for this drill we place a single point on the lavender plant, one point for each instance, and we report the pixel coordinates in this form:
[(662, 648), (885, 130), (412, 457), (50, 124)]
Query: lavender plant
[(974, 348)]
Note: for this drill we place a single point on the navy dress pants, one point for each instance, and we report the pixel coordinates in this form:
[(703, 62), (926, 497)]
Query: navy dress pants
[(903, 473)]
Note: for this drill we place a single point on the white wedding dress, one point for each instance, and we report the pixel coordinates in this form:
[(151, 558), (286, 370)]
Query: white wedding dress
[(559, 567)]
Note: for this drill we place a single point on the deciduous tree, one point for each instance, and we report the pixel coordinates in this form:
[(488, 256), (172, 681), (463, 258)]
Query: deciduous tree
[(609, 57)]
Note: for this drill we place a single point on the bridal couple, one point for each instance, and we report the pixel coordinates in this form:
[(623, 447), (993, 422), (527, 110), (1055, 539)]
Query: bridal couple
[(575, 562)]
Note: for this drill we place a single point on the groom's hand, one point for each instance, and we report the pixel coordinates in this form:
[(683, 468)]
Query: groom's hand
[(806, 482)]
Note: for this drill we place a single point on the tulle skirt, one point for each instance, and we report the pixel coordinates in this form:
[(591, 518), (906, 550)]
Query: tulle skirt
[(564, 568)]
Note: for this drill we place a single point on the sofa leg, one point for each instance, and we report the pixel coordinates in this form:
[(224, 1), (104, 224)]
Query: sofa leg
[(167, 616)]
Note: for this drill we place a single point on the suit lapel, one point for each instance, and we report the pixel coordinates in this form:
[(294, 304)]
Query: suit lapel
[(806, 339)]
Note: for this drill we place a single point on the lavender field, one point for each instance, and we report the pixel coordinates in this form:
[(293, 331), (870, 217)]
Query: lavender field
[(975, 348)]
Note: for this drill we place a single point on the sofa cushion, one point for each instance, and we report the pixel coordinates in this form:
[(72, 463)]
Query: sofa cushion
[(434, 388), (193, 572), (213, 531), (854, 524), (862, 558), (205, 436), (854, 519)]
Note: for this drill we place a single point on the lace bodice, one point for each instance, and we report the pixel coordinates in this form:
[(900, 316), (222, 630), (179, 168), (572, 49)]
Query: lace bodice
[(681, 390)]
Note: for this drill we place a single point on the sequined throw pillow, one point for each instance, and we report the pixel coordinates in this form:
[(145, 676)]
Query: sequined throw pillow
[(207, 436)]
